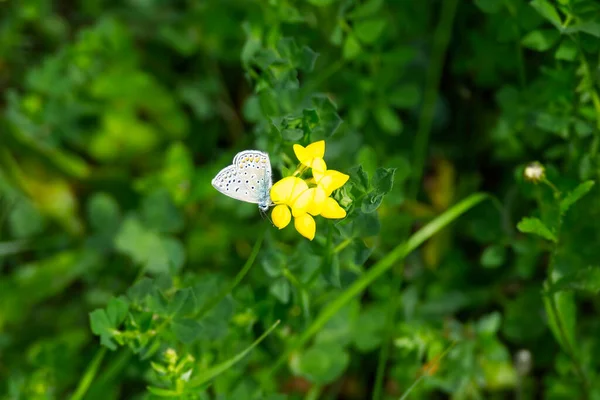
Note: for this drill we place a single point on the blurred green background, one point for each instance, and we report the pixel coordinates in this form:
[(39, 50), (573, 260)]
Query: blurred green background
[(120, 263)]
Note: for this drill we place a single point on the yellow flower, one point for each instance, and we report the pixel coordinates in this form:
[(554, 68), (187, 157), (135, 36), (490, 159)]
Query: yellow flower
[(293, 196), (311, 155)]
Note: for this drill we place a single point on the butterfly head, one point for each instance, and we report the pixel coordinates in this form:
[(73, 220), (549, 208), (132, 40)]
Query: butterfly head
[(264, 207)]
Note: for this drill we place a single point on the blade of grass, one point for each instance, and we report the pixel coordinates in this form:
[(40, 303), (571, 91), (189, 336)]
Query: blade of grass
[(89, 375), (397, 254), (224, 366), (228, 289)]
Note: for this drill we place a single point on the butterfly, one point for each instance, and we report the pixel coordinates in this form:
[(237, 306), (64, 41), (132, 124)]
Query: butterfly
[(247, 179)]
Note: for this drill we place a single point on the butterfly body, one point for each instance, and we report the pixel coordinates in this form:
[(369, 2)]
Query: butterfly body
[(247, 179)]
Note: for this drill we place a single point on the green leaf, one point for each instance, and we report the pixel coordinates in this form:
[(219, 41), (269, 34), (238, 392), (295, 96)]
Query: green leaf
[(388, 120), (359, 179), (537, 227), (584, 280), (307, 59), (541, 39), (371, 202), (368, 31), (566, 51), (183, 303), (489, 324), (383, 180), (280, 288), (187, 330), (493, 256), (366, 225), (103, 213), (329, 119), (116, 310), (366, 9), (574, 196), (589, 27), (141, 290), (562, 318), (352, 48), (361, 251), (101, 326), (489, 6), (547, 10), (323, 364)]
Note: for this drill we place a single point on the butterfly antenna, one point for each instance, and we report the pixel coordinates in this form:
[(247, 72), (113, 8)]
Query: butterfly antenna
[(265, 215)]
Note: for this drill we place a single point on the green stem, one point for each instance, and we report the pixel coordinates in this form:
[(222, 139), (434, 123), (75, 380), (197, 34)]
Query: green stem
[(342, 245), (89, 375), (441, 39)]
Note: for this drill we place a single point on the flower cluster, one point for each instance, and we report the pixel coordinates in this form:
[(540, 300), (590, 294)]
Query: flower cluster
[(305, 199)]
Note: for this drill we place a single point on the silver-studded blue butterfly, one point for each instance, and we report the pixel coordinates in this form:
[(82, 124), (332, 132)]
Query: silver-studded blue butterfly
[(247, 179)]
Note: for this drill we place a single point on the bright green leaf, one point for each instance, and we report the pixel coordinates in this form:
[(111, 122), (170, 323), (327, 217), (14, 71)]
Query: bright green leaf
[(562, 318), (352, 48), (187, 330), (573, 196), (547, 10), (116, 310), (323, 364), (493, 256), (566, 51), (368, 31), (537, 227), (388, 120), (540, 40), (383, 180)]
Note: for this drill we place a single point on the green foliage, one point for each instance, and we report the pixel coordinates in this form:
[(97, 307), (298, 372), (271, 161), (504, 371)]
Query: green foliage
[(125, 274)]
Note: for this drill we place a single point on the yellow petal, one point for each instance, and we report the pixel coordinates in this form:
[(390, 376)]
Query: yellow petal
[(299, 187), (316, 149), (318, 201), (318, 164), (331, 180), (332, 210), (284, 191), (302, 202), (305, 225), (301, 153), (281, 216), (307, 155)]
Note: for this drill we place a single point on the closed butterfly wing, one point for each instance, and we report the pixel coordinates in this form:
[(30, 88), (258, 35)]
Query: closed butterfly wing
[(247, 179)]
